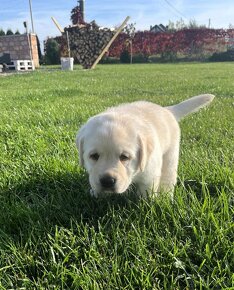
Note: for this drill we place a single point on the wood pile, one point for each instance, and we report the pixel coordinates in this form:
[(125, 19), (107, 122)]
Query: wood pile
[(87, 42)]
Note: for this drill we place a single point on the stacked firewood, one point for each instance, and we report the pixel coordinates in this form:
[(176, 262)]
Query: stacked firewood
[(87, 42)]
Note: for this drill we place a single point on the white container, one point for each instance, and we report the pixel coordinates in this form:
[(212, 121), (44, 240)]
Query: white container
[(67, 63)]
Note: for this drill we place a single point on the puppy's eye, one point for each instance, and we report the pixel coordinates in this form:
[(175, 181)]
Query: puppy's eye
[(94, 156), (123, 157)]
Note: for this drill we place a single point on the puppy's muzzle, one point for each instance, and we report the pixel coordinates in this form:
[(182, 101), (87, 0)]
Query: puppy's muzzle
[(108, 182)]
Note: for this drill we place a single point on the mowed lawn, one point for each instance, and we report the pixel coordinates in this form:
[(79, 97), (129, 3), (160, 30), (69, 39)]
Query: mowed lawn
[(53, 235)]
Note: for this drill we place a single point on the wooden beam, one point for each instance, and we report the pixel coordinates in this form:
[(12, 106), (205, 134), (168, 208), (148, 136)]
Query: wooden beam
[(121, 27), (57, 25)]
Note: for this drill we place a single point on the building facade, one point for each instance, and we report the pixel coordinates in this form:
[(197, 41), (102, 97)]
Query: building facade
[(20, 47)]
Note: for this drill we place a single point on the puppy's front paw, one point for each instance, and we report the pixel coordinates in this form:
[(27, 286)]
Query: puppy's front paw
[(93, 193)]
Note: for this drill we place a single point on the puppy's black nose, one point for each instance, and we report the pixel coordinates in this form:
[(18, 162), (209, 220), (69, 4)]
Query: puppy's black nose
[(107, 182)]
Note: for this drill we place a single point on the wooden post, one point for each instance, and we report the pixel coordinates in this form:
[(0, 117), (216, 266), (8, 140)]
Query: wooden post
[(57, 25), (131, 51), (68, 45), (110, 42)]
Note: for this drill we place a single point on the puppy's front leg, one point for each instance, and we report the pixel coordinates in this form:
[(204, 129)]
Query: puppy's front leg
[(93, 193), (151, 188), (169, 169)]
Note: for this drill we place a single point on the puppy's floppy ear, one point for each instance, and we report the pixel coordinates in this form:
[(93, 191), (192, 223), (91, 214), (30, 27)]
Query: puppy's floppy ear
[(80, 144), (145, 149)]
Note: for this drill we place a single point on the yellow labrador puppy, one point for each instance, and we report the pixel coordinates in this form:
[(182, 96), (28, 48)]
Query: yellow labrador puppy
[(134, 143)]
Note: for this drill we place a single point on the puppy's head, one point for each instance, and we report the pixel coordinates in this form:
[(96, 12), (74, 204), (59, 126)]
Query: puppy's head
[(112, 152)]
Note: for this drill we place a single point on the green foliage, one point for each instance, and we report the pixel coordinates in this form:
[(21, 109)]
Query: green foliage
[(180, 24), (222, 56), (52, 52), (169, 56), (9, 32), (53, 235), (125, 56), (39, 50), (2, 32), (110, 60), (140, 58)]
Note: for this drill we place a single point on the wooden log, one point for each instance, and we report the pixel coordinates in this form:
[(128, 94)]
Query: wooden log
[(57, 25), (88, 42), (110, 42)]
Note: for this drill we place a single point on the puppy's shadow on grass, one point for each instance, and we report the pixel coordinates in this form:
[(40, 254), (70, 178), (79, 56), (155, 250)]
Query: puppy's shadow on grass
[(56, 199)]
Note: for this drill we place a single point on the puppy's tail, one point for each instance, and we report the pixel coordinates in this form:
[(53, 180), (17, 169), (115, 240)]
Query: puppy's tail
[(191, 105)]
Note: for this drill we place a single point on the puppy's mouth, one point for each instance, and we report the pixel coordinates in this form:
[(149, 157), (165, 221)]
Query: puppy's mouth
[(100, 190), (107, 185), (114, 190)]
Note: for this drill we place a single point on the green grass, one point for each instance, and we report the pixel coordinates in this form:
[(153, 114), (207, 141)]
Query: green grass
[(53, 235)]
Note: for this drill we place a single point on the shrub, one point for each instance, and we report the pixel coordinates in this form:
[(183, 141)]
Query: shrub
[(125, 56), (222, 56), (110, 60), (52, 52), (169, 56), (140, 58), (9, 32), (2, 32)]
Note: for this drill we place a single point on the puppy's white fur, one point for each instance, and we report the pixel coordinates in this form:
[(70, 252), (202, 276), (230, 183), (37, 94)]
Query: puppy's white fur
[(134, 143)]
